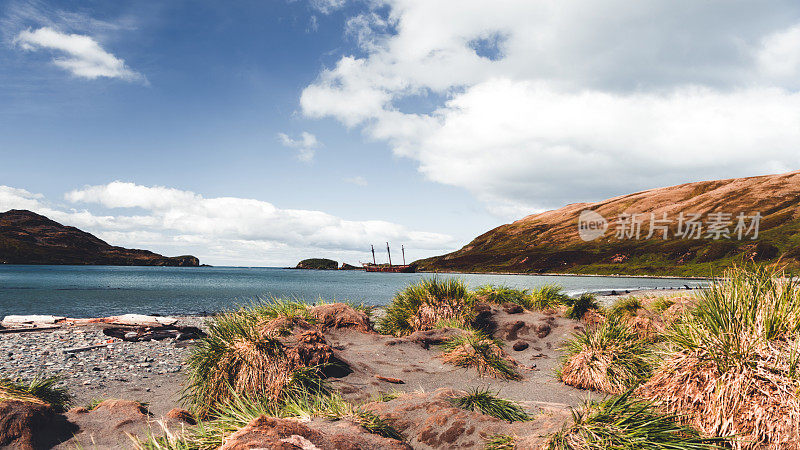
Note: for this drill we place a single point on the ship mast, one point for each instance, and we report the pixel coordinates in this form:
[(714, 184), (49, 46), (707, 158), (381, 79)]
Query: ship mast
[(373, 255), (390, 254)]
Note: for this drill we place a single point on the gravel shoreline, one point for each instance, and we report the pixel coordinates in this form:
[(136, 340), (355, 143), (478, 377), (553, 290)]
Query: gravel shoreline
[(148, 371)]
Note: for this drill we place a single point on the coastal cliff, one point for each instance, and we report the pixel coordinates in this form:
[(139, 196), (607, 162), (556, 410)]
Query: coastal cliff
[(30, 238), (550, 242)]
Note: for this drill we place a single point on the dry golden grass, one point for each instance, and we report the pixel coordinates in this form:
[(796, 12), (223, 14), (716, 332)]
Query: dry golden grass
[(39, 390), (422, 305), (734, 366), (435, 311), (253, 353), (10, 393), (756, 403), (609, 358)]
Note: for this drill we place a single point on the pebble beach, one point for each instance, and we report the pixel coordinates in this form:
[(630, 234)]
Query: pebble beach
[(103, 367)]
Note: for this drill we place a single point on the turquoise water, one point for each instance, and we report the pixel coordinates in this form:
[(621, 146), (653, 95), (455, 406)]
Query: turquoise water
[(91, 291)]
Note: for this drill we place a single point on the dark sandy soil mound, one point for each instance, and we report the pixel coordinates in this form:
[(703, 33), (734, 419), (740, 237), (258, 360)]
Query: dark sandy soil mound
[(415, 361), (430, 421), (107, 424), (27, 425), (272, 433)]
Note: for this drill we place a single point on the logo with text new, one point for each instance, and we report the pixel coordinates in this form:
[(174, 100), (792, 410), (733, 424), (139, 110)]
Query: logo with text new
[(591, 225)]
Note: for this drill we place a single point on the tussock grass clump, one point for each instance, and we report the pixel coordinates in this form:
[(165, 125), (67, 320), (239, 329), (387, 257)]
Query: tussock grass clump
[(41, 390), (475, 349), (661, 304), (578, 307), (548, 296), (503, 294), (242, 354), (623, 422), (609, 358), (625, 307), (734, 370), (487, 402), (500, 442), (422, 305)]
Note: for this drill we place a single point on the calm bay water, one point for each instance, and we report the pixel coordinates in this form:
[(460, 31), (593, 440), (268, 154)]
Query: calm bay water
[(91, 291)]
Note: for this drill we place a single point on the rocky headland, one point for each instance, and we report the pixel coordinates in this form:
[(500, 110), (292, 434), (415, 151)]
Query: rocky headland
[(30, 238)]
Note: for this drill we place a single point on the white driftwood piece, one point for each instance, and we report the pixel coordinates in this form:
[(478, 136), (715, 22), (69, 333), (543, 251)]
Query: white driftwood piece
[(11, 321), (142, 320)]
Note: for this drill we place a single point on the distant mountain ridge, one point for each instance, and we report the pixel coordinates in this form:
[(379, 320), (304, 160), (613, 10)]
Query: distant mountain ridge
[(550, 243), (30, 238)]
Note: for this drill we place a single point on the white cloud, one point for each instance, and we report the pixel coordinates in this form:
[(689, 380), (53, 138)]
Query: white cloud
[(83, 56), (306, 145), (545, 103), (780, 55), (327, 6), (357, 180), (13, 198)]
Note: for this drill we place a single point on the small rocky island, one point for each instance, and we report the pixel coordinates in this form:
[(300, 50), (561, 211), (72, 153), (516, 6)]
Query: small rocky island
[(30, 238), (318, 264)]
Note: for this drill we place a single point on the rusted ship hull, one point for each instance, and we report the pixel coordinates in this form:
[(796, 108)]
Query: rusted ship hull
[(388, 268)]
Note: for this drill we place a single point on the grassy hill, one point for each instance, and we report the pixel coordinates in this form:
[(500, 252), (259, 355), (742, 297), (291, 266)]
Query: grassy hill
[(550, 242)]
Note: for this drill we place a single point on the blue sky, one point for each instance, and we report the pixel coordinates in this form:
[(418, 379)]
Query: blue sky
[(154, 124)]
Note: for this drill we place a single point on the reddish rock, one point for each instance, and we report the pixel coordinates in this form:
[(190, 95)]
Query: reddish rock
[(390, 379), (181, 415), (520, 346), (512, 308), (542, 330)]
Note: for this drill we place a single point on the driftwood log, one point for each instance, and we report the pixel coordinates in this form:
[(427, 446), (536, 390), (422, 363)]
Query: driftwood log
[(136, 334)]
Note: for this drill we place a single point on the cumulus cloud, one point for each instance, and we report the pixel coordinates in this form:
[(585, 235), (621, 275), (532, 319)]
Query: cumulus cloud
[(220, 229), (538, 104), (327, 6), (305, 145), (13, 198), (82, 56)]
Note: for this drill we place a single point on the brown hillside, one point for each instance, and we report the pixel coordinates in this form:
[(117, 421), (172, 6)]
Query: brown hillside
[(30, 238), (549, 242)]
